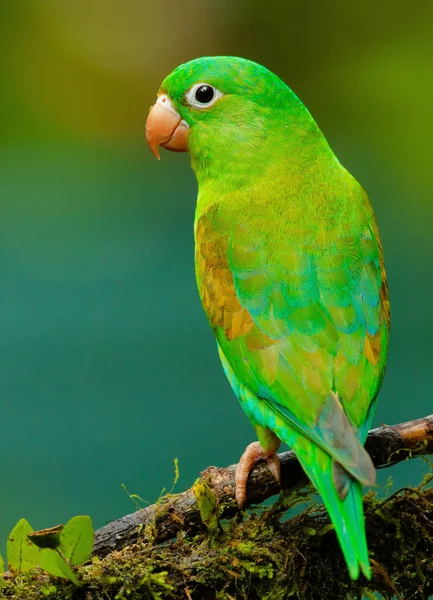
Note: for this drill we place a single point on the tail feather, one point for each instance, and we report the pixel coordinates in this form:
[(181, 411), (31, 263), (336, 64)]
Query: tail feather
[(346, 514)]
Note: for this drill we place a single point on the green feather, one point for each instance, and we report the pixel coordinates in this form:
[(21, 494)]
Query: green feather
[(346, 515)]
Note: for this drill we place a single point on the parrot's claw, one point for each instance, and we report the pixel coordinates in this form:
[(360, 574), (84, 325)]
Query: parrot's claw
[(253, 453), (275, 467)]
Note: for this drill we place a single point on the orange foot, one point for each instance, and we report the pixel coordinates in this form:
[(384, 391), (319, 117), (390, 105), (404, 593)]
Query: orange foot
[(252, 454)]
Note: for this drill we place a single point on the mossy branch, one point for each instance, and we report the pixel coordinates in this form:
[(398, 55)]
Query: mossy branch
[(387, 445), (172, 551)]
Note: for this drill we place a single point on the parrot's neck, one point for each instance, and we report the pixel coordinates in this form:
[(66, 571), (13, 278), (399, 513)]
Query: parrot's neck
[(261, 162), (238, 154)]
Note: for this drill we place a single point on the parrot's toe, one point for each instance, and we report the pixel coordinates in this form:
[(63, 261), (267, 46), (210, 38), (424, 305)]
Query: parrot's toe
[(252, 454)]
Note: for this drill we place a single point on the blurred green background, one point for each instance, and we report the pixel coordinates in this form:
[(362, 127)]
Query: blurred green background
[(108, 368)]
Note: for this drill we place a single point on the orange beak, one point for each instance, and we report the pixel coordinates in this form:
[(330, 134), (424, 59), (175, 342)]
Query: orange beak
[(166, 128)]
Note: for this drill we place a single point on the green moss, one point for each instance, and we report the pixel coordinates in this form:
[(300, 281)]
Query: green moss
[(263, 557)]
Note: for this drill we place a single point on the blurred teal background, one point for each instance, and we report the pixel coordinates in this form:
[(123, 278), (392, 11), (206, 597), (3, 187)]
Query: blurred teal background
[(108, 368)]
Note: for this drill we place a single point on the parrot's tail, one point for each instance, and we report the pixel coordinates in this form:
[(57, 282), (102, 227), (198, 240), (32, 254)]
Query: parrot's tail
[(346, 515)]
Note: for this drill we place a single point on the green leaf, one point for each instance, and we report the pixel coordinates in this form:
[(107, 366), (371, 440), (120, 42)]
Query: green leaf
[(2, 564), (76, 540), (46, 538), (51, 561), (22, 554), (208, 505)]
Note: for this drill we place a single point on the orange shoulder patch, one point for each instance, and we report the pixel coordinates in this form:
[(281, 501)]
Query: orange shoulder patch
[(215, 281)]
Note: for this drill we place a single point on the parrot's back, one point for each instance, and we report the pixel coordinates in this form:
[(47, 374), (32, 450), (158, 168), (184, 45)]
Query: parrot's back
[(291, 276)]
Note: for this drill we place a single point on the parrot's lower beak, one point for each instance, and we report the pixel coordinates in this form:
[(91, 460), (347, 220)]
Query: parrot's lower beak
[(165, 127)]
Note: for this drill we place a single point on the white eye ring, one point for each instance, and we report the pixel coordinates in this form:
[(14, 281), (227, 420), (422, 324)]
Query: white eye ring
[(195, 103)]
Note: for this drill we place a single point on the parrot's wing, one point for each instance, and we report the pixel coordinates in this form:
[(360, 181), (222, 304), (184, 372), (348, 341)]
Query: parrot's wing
[(303, 325), (321, 317)]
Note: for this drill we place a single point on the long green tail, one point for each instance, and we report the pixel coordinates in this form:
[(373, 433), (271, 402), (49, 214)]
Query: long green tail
[(346, 515)]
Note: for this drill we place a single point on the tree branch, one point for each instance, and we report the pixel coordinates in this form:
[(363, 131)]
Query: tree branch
[(387, 445)]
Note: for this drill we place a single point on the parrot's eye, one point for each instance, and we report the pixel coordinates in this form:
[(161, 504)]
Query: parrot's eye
[(202, 95)]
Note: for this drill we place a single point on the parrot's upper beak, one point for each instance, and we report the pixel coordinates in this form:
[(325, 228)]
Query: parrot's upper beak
[(165, 127)]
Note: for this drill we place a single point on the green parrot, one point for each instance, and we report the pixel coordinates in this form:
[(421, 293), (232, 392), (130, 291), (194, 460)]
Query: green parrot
[(290, 272)]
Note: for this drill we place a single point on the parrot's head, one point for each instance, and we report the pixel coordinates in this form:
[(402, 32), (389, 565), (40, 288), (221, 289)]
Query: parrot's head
[(221, 107)]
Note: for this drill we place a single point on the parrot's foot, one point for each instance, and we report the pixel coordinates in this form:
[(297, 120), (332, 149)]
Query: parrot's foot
[(252, 454)]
